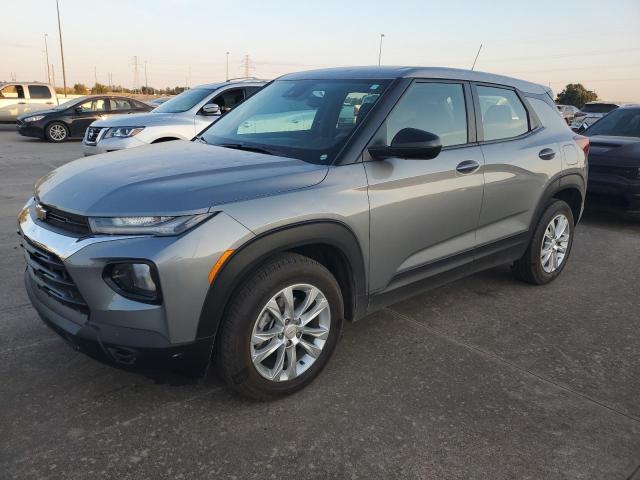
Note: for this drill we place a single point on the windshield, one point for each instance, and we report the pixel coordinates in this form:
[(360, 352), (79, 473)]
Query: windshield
[(306, 119), (624, 122), (68, 103), (185, 101)]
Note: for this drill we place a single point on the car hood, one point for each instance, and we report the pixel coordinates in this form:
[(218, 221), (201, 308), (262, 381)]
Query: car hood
[(173, 178), (614, 151)]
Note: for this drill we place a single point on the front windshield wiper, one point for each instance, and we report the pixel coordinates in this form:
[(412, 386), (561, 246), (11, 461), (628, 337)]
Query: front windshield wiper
[(202, 140), (248, 148)]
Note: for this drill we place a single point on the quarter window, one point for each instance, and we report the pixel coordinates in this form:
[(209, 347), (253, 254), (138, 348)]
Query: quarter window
[(503, 114), (437, 108), (39, 91), (119, 104)]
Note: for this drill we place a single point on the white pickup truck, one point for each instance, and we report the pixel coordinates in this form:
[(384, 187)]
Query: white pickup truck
[(17, 98)]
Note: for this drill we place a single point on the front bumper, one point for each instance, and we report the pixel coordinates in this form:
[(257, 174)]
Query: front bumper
[(109, 145), (30, 129), (94, 318)]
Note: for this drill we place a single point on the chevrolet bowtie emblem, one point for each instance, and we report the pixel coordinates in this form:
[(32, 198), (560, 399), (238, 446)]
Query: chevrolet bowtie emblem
[(41, 213)]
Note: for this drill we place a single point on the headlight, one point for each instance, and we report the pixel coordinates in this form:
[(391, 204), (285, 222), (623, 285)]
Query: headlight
[(161, 226), (123, 132), (33, 118)]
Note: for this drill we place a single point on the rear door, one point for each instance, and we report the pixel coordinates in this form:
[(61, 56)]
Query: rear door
[(520, 158), (40, 98), (424, 213)]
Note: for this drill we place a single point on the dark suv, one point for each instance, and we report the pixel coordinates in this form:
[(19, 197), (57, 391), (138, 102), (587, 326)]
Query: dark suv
[(325, 196)]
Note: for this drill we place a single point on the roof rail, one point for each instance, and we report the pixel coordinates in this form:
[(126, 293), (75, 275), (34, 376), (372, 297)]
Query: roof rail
[(246, 79)]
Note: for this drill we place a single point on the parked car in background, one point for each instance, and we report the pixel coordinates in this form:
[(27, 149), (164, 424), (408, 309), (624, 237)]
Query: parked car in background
[(71, 119), (568, 112), (19, 98), (591, 113), (259, 243), (156, 102), (614, 157), (179, 118)]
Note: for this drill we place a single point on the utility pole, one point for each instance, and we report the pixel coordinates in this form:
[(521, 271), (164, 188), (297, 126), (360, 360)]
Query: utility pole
[(136, 79), (227, 77), (246, 64), (95, 75), (476, 59), (46, 50), (380, 50), (146, 82), (64, 73), (53, 78)]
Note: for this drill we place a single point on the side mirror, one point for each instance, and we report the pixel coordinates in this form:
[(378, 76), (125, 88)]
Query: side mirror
[(409, 143), (211, 109)]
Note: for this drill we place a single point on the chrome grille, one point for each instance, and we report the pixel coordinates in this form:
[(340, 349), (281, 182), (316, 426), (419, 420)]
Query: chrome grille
[(51, 276), (92, 134), (69, 222)]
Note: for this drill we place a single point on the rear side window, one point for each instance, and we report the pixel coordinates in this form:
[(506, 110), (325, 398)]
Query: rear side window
[(503, 114), (39, 91), (433, 107), (119, 104)]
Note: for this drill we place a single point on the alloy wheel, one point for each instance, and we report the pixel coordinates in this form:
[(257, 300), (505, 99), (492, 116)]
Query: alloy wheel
[(57, 132), (555, 243), (290, 332)]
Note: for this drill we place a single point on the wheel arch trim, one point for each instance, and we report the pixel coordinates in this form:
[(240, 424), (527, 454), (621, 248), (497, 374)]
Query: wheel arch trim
[(246, 258)]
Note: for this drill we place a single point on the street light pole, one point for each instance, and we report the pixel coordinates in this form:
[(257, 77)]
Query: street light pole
[(64, 74), (227, 77), (46, 50), (380, 51)]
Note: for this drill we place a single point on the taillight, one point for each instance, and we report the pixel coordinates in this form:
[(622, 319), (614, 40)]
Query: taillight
[(583, 143)]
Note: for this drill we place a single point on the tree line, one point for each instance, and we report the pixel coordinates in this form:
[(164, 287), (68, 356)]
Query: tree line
[(99, 88)]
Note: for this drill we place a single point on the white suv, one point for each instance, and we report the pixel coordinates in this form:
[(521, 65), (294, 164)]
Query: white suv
[(19, 98), (180, 118)]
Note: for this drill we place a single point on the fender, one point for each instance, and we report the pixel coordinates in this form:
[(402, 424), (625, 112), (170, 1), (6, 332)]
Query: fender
[(563, 181), (258, 249)]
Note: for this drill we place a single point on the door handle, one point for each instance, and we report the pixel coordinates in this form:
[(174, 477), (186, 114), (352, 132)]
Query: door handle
[(468, 166), (49, 103), (22, 103), (547, 154)]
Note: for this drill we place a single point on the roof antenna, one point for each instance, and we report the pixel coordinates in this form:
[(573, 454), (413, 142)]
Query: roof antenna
[(476, 59)]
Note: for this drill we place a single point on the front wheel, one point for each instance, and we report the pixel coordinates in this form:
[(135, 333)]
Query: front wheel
[(550, 246), (281, 327), (56, 132)]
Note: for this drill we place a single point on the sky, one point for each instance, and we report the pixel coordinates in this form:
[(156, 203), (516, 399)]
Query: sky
[(556, 42)]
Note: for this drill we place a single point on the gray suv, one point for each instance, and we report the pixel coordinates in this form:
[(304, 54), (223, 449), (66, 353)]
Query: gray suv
[(324, 197)]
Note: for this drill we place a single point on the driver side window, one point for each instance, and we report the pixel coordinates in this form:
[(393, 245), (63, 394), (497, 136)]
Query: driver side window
[(433, 107), (12, 91), (229, 99)]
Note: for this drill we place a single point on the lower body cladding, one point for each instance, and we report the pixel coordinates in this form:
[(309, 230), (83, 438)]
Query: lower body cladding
[(626, 189), (74, 297)]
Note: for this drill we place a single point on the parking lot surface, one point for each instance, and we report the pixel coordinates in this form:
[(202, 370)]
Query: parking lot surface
[(486, 378)]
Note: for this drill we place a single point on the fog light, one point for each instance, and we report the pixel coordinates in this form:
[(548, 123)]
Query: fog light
[(137, 281)]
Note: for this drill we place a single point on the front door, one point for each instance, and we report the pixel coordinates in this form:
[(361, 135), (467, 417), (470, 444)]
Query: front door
[(86, 113), (226, 101), (424, 213)]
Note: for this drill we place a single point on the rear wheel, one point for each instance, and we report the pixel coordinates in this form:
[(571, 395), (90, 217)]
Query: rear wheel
[(550, 246), (56, 132), (281, 327)]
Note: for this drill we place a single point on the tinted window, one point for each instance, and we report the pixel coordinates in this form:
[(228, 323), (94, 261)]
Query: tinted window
[(624, 122), (185, 101), (39, 91), (229, 99), (303, 119), (433, 107), (598, 107), (503, 114), (12, 91), (119, 104), (137, 104), (251, 90)]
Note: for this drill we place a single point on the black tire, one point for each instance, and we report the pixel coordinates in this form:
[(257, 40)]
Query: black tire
[(51, 132), (529, 268), (233, 350)]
